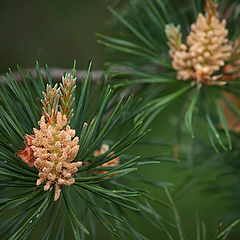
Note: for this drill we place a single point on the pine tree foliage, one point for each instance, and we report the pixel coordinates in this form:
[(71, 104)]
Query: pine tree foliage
[(223, 172), (201, 231), (227, 178), (159, 61), (144, 47), (100, 193)]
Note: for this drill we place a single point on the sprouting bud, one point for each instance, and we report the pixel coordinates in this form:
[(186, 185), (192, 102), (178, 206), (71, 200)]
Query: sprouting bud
[(174, 36), (211, 9), (67, 95), (50, 103)]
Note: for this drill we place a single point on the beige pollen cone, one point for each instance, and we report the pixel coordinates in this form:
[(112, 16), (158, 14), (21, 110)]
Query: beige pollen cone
[(208, 46), (206, 51), (181, 60), (54, 150)]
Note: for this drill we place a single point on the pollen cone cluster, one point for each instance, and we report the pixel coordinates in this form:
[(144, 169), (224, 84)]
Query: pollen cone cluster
[(112, 163), (54, 150), (207, 49), (54, 146), (178, 51)]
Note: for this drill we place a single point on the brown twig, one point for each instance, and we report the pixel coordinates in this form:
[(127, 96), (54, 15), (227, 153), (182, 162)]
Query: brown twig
[(56, 74)]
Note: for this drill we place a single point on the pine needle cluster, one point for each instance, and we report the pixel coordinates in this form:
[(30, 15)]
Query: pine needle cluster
[(89, 181), (64, 148), (206, 61)]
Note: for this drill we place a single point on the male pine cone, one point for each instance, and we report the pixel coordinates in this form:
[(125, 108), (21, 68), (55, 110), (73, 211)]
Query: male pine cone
[(207, 49), (54, 152)]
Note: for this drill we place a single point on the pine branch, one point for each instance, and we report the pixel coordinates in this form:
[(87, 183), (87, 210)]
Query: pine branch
[(72, 160), (56, 74), (149, 38)]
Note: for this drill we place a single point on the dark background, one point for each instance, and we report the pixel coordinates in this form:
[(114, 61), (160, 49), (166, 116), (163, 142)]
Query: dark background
[(56, 33), (52, 32)]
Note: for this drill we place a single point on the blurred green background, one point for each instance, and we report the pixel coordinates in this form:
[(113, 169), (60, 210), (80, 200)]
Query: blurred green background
[(52, 32), (56, 32)]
